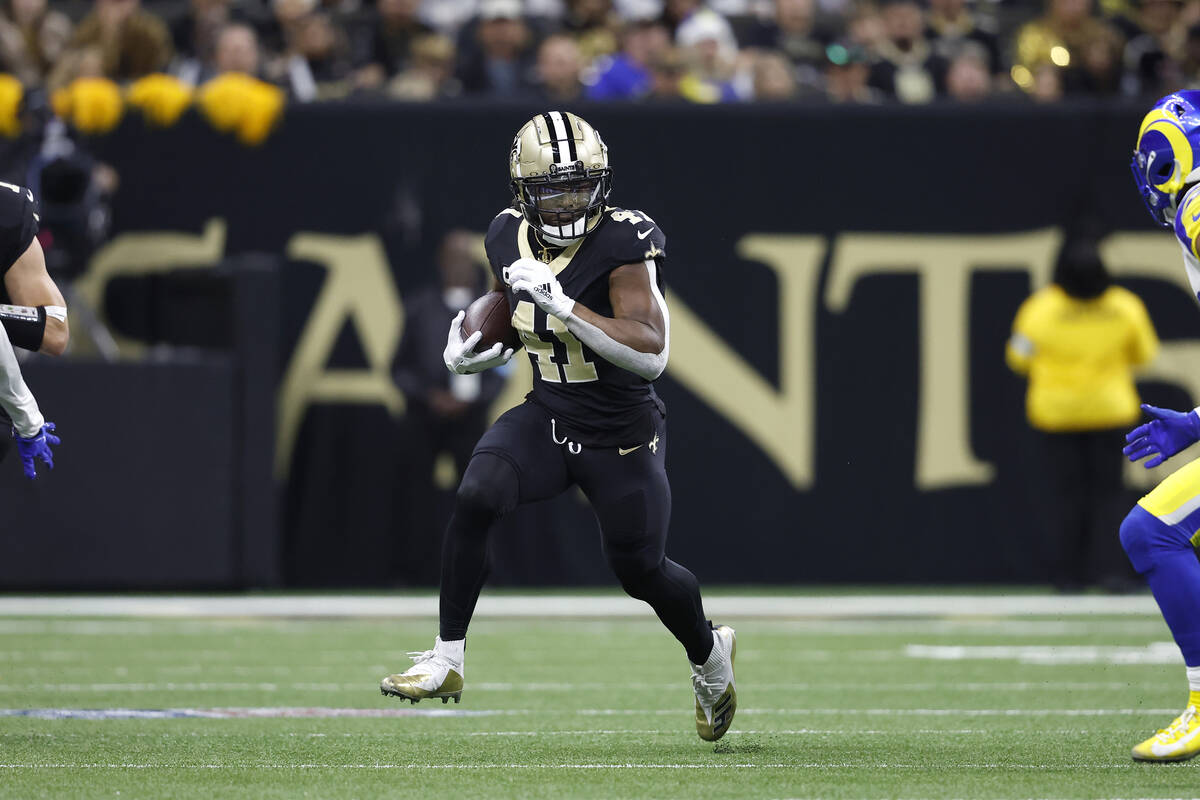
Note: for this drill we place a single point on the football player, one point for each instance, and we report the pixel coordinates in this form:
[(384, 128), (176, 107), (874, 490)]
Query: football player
[(1161, 532), (33, 316), (584, 283)]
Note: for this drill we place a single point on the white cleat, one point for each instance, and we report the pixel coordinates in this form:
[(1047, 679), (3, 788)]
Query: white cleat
[(433, 674), (716, 693)]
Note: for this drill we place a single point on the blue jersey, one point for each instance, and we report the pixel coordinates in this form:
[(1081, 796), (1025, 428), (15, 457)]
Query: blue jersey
[(595, 402)]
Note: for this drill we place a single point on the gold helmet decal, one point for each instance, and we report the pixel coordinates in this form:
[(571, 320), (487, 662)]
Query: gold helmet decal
[(560, 175)]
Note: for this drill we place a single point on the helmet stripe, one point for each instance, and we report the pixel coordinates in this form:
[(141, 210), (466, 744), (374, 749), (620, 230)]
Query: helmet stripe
[(552, 137), (569, 127), (560, 133), (1180, 148)]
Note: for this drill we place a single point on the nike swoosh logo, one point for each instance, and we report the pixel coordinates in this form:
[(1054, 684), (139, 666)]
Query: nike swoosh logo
[(1195, 217), (622, 451), (1174, 748), (644, 234)]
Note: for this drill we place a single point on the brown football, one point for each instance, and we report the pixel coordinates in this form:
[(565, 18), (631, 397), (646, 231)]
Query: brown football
[(490, 315)]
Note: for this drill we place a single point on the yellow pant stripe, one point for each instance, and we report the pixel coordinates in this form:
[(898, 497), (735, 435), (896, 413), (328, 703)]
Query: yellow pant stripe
[(1177, 496)]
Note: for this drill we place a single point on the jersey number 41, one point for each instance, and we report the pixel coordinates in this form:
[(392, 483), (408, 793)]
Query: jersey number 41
[(574, 369)]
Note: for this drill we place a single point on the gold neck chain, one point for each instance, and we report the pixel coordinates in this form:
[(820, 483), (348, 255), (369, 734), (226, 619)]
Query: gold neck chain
[(544, 254)]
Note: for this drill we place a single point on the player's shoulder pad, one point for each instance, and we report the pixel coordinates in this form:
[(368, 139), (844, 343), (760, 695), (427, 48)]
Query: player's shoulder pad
[(1187, 220), (506, 220), (500, 243), (18, 223), (631, 237)]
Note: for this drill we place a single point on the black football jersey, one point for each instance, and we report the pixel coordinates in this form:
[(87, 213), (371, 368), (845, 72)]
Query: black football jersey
[(592, 401), (18, 225)]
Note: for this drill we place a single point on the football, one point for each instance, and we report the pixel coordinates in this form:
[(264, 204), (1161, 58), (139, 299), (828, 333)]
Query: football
[(490, 315)]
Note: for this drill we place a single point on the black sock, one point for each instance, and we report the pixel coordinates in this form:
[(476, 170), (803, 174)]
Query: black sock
[(674, 594)]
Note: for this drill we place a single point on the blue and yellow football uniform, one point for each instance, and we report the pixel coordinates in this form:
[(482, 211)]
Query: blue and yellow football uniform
[(1162, 531), (1176, 500)]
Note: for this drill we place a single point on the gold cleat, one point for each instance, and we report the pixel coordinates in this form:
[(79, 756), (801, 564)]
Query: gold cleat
[(1179, 741), (716, 692), (432, 676)]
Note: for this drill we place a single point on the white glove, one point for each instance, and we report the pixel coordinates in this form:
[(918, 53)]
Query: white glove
[(532, 276), (458, 354)]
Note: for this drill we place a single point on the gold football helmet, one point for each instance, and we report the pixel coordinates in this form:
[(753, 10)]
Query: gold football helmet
[(560, 175)]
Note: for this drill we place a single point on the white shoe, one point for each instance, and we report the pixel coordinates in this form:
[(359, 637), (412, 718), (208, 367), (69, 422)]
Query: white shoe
[(435, 674), (716, 693)]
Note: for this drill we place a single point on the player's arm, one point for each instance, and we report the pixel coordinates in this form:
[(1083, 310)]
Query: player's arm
[(37, 320), (1169, 432), (636, 337), (15, 397), (33, 434)]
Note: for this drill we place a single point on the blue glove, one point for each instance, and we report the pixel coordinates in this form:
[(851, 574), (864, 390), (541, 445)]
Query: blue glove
[(35, 446), (1162, 437)]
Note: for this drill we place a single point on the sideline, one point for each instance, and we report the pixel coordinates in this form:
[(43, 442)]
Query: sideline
[(545, 606)]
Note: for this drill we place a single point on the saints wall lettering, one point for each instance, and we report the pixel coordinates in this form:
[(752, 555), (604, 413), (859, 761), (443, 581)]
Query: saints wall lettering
[(146, 253), (779, 419)]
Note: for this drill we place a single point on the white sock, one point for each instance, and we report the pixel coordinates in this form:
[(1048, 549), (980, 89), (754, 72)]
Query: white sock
[(717, 658), (452, 650), (1193, 678)]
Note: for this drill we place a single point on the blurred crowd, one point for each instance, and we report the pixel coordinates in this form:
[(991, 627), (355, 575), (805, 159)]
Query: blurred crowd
[(561, 51)]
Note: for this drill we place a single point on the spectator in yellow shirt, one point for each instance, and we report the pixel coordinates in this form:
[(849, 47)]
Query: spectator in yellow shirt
[(1078, 341)]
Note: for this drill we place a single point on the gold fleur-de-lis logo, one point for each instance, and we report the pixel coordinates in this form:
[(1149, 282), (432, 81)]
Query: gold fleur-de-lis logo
[(654, 444)]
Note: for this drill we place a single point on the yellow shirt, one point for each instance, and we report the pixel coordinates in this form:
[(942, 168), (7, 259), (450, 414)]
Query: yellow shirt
[(1079, 356)]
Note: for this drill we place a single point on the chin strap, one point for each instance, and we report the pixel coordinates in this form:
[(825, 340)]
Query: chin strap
[(588, 226)]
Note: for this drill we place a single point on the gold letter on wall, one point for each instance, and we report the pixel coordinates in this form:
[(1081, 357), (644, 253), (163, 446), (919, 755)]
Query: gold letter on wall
[(359, 288), (944, 265), (780, 422), (145, 253)]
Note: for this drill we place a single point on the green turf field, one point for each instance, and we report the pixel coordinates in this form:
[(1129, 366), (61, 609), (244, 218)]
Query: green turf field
[(980, 707)]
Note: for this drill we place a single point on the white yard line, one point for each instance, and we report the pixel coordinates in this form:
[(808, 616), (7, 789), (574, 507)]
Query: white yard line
[(907, 712), (340, 658), (556, 606), (391, 734), (1051, 655), (834, 627), (509, 766), (406, 710), (268, 686)]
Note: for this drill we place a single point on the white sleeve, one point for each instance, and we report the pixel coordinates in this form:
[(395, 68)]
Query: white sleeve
[(15, 397), (1192, 267), (645, 365)]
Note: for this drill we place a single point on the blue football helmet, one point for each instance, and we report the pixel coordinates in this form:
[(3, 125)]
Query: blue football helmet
[(1165, 160)]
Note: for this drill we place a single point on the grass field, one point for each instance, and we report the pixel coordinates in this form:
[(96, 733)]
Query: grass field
[(1036, 705)]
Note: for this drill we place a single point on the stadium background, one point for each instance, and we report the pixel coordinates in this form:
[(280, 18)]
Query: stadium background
[(842, 281)]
